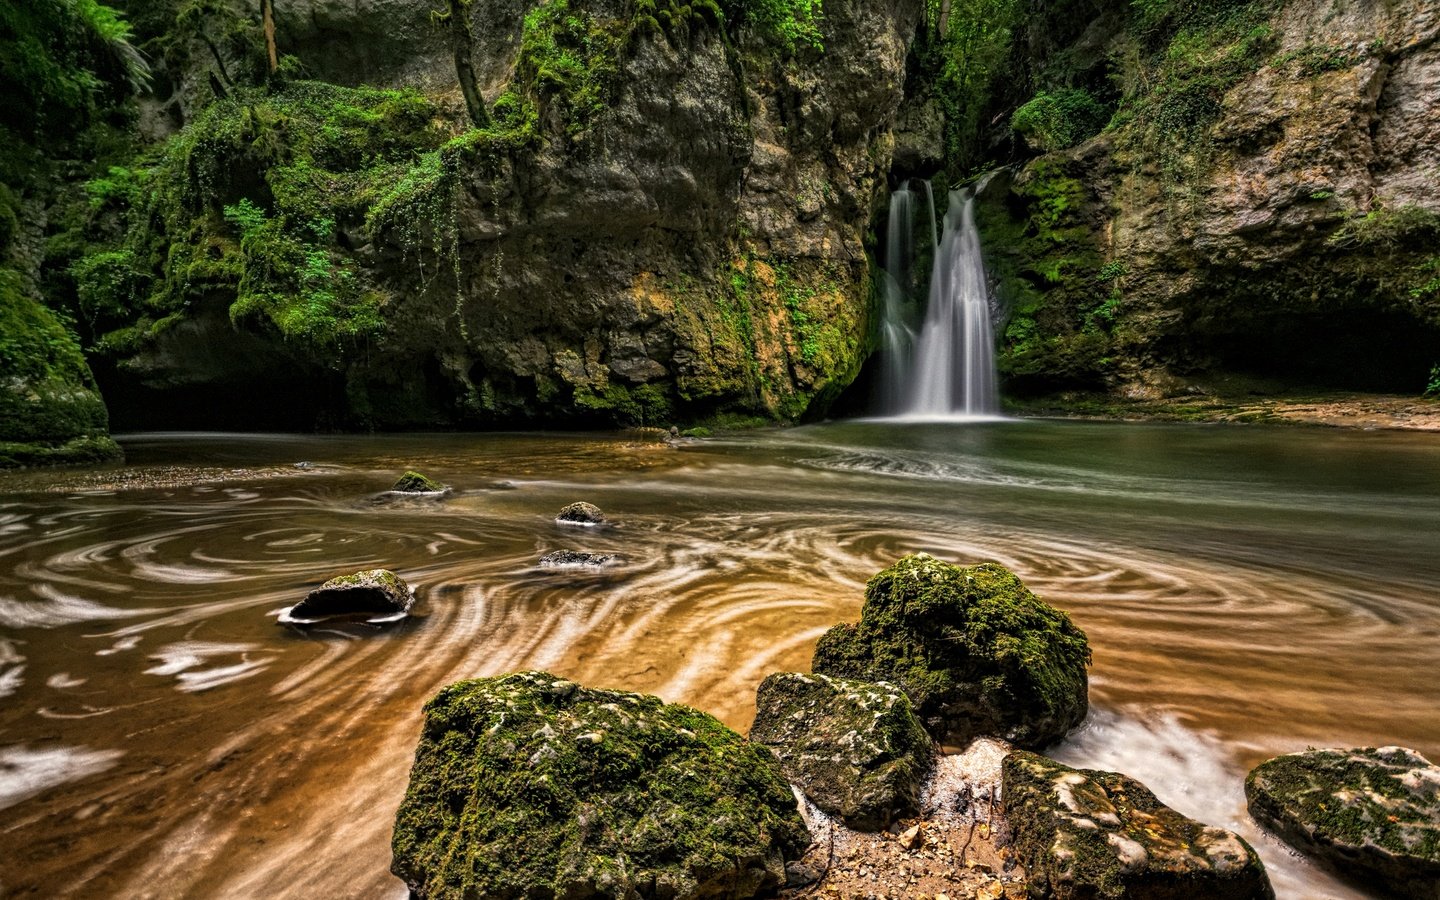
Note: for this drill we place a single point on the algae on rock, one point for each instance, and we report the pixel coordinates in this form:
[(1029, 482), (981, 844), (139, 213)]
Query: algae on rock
[(528, 786), (1372, 814), (855, 748), (1084, 834), (977, 652)]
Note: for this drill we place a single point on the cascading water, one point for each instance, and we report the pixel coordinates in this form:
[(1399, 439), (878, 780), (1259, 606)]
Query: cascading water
[(897, 338), (949, 368)]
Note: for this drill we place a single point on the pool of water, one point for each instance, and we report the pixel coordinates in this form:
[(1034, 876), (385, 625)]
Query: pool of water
[(1247, 591)]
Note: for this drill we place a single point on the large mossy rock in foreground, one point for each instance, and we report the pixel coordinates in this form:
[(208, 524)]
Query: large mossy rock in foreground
[(1372, 814), (855, 748), (50, 410), (529, 786), (975, 650), (1084, 834)]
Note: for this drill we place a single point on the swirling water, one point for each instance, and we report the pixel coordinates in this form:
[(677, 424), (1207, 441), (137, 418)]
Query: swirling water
[(1247, 591)]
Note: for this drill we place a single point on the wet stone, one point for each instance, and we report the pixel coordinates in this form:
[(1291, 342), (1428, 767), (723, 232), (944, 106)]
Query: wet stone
[(584, 514), (413, 482), (1084, 833), (375, 595), (1371, 814), (853, 747), (531, 786), (577, 559), (977, 652)]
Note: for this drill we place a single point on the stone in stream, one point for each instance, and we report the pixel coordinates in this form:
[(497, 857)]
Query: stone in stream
[(1083, 834), (529, 786), (376, 596), (978, 653), (1370, 814), (853, 747), (413, 482), (577, 559), (586, 514)]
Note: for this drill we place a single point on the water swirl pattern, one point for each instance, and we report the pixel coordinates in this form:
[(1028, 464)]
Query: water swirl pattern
[(1247, 591)]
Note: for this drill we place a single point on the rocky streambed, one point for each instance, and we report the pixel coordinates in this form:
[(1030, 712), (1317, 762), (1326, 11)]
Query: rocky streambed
[(528, 785)]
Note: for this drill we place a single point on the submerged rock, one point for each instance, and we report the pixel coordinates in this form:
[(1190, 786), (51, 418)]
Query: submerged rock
[(1372, 814), (577, 559), (375, 595), (413, 482), (854, 748), (529, 786), (581, 514), (1082, 833), (975, 650)]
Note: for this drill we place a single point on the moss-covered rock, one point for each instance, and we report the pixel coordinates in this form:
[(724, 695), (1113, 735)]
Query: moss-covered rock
[(583, 514), (530, 786), (1084, 834), (1372, 814), (854, 747), (50, 411), (413, 482), (975, 650), (375, 595)]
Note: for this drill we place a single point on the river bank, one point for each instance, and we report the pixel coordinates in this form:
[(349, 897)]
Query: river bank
[(1334, 409)]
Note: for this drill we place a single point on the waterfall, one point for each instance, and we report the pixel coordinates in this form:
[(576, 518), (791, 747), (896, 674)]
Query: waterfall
[(948, 369), (897, 337)]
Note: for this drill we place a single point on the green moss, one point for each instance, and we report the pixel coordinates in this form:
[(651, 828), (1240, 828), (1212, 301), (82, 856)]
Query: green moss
[(1095, 834), (1059, 119), (526, 784), (856, 749), (972, 647), (50, 411), (413, 482)]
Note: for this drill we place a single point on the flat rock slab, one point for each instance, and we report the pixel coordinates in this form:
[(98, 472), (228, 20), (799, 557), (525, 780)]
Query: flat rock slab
[(530, 786), (376, 596), (977, 652), (1372, 814), (1083, 834), (853, 747), (578, 559)]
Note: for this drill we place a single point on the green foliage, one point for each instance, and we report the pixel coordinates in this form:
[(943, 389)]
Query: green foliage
[(1315, 59), (964, 56), (1060, 119), (1387, 230), (251, 200), (58, 60), (793, 24)]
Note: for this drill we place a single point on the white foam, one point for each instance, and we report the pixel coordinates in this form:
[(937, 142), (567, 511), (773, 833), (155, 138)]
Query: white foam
[(25, 772)]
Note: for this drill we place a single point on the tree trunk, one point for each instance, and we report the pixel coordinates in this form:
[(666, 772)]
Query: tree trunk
[(267, 17), (465, 65)]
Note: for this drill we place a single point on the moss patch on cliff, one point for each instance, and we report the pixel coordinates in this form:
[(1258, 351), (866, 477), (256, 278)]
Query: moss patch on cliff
[(50, 412), (258, 201)]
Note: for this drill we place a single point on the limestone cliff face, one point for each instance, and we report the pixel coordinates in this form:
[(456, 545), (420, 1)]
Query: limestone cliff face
[(1293, 231), (675, 232)]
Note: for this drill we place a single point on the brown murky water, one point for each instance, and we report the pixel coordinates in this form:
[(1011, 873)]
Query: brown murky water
[(1247, 591)]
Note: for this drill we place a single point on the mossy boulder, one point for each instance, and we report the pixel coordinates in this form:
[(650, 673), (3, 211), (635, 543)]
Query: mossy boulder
[(1372, 814), (1084, 834), (530, 786), (413, 482), (375, 595), (854, 747), (975, 650), (584, 514)]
